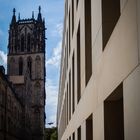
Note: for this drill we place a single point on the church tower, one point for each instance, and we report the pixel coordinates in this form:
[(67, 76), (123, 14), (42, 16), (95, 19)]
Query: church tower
[(26, 53)]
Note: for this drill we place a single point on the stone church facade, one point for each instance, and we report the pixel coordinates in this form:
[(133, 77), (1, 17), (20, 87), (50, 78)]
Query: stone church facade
[(26, 71)]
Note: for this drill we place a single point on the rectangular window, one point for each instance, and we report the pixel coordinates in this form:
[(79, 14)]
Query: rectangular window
[(66, 7), (110, 16), (88, 44), (114, 115), (78, 65), (77, 1), (73, 136), (65, 112), (69, 33), (72, 16), (79, 133), (89, 128), (69, 95), (67, 49), (73, 83), (67, 106)]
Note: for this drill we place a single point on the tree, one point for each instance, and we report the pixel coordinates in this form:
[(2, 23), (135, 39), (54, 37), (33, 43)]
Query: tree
[(51, 133), (54, 135)]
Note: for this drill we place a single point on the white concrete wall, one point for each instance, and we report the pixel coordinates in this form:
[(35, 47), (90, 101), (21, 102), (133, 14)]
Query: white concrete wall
[(138, 25), (110, 67), (132, 105)]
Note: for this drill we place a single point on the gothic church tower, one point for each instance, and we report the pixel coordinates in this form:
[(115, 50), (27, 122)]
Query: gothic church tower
[(26, 53)]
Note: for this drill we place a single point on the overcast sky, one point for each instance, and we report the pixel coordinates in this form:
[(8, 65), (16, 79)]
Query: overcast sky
[(52, 11)]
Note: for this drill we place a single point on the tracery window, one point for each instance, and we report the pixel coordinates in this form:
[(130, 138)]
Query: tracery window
[(28, 42), (38, 67), (29, 65), (22, 43), (12, 66), (37, 88), (20, 66)]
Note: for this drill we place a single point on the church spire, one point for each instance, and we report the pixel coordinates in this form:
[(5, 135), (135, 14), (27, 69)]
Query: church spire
[(32, 14), (18, 16), (14, 17), (39, 18)]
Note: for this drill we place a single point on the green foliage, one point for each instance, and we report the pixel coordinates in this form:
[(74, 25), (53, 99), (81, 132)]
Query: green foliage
[(54, 135), (51, 133)]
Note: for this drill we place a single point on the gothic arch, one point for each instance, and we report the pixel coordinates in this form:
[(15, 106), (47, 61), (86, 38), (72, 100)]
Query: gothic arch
[(22, 43), (38, 67), (29, 65), (20, 62), (11, 66)]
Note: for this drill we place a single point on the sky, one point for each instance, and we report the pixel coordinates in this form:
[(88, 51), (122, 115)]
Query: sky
[(53, 12)]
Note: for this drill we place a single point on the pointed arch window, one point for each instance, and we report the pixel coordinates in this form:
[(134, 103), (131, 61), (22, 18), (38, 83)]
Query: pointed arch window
[(15, 48), (37, 88), (20, 66), (28, 42), (38, 67), (12, 66), (22, 43), (29, 65)]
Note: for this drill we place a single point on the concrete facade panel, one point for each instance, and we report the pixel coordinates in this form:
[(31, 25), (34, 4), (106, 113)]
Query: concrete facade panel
[(131, 105), (120, 57)]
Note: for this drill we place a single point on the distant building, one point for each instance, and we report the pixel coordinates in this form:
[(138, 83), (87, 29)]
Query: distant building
[(26, 72), (99, 88)]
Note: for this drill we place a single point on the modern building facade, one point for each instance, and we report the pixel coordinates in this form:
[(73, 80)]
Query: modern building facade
[(26, 72), (99, 88)]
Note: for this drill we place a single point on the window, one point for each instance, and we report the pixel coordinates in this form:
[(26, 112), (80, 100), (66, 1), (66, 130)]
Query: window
[(110, 16), (78, 65), (73, 136), (15, 48), (69, 95), (20, 66), (69, 32), (29, 65), (3, 98), (12, 66), (67, 105), (88, 44), (38, 67), (66, 108), (67, 50), (79, 133), (73, 83), (28, 43), (89, 128), (37, 93), (22, 43), (77, 1), (113, 115), (72, 16)]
